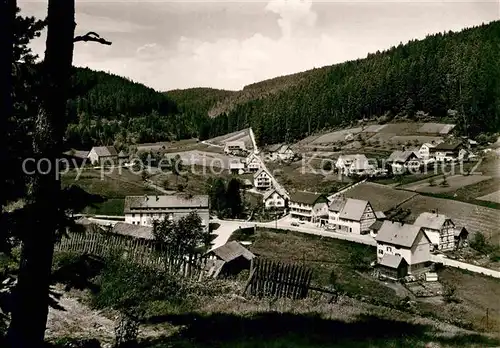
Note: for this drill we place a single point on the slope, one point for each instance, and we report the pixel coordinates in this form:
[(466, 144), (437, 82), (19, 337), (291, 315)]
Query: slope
[(451, 75)]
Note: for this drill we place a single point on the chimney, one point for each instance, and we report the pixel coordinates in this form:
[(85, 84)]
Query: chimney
[(157, 198), (146, 198)]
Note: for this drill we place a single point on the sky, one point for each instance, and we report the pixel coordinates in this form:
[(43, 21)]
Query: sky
[(229, 44)]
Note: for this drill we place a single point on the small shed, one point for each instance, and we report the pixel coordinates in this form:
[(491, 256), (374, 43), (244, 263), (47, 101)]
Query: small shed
[(393, 266), (229, 260)]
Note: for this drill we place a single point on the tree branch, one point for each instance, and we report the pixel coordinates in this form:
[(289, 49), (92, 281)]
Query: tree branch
[(92, 36)]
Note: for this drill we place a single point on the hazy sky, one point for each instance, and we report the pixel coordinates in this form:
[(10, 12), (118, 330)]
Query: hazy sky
[(229, 44)]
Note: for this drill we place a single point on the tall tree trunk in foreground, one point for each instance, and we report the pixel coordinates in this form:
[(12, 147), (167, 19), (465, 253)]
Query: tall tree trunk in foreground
[(7, 19), (29, 318)]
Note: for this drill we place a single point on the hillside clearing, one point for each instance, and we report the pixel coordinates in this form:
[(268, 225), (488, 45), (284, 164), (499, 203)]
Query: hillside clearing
[(381, 197), (455, 182), (475, 218)]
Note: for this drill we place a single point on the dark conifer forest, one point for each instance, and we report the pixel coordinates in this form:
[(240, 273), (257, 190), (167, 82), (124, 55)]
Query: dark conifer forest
[(452, 76)]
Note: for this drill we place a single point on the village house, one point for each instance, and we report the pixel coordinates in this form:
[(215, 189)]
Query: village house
[(402, 161), (271, 152), (439, 228), (262, 180), (309, 206), (143, 210), (235, 147), (361, 166), (253, 163), (285, 153), (228, 260), (123, 157), (350, 215), (445, 152), (397, 241), (236, 167), (274, 199), (102, 155), (352, 164), (425, 151)]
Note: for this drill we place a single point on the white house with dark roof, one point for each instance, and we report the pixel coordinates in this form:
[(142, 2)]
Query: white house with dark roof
[(449, 151), (308, 206), (236, 167), (274, 199), (351, 215), (262, 180), (404, 240), (439, 228), (425, 150), (253, 163), (401, 161), (354, 165), (235, 147), (103, 155), (143, 210)]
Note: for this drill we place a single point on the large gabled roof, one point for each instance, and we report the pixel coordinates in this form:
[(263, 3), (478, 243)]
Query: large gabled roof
[(304, 197), (397, 233), (166, 201), (105, 151), (401, 156), (392, 261), (353, 209), (231, 251), (433, 221)]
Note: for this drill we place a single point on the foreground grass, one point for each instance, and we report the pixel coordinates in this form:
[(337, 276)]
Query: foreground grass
[(287, 330)]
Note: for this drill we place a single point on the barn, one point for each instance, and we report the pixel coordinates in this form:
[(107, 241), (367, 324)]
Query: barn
[(229, 260)]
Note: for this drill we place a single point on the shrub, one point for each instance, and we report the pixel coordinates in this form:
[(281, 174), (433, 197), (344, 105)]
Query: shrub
[(125, 285)]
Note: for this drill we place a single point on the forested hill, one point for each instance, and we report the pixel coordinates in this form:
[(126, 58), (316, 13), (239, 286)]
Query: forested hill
[(452, 71), (108, 109)]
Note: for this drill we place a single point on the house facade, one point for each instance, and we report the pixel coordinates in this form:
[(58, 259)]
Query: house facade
[(403, 161), (103, 155), (262, 180), (253, 163), (352, 164), (425, 151), (439, 229), (273, 199), (308, 206), (235, 147), (351, 215), (143, 210), (237, 167), (406, 241), (449, 151)]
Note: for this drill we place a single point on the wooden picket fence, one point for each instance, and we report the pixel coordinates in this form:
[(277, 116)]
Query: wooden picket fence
[(148, 253), (275, 279)]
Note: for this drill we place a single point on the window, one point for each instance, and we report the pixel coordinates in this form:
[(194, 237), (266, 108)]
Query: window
[(389, 249), (380, 251), (133, 215)]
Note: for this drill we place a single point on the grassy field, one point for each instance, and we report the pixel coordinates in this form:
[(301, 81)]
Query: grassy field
[(114, 187), (455, 183), (380, 196)]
